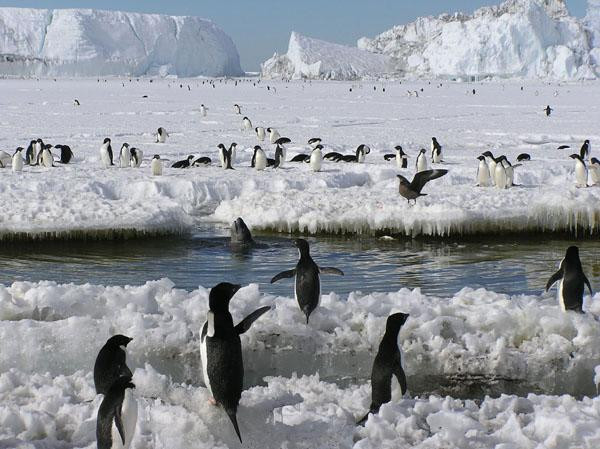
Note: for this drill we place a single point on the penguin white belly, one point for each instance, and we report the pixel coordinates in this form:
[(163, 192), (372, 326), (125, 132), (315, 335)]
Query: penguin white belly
[(47, 159), (595, 174), (421, 163), (129, 412), (204, 360), (274, 136), (398, 160), (492, 167), (283, 156), (233, 154), (510, 175), (156, 167), (125, 157), (161, 137), (360, 158), (17, 162), (500, 176), (222, 158), (437, 157), (561, 298), (260, 161), (580, 174), (105, 157), (316, 160), (203, 111), (260, 133), (483, 174)]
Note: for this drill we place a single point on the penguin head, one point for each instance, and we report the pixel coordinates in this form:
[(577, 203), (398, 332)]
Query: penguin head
[(481, 158), (118, 340), (107, 140), (18, 150), (245, 118), (364, 148), (302, 246), (221, 146), (395, 322), (256, 148), (156, 156), (572, 255), (488, 154), (434, 139), (190, 157), (220, 295), (423, 151), (40, 141), (233, 145), (125, 145), (269, 130), (318, 147), (586, 141)]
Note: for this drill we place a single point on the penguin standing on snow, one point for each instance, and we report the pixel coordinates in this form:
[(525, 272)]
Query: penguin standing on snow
[(30, 154), (273, 135), (221, 350), (259, 159), (161, 135), (581, 172), (572, 281), (316, 158), (436, 151), (66, 154), (237, 109), (117, 416), (246, 124), (156, 166), (110, 363), (548, 110), (47, 160), (281, 142), (308, 285), (585, 150), (203, 110), (260, 133), (125, 156), (421, 161), (483, 172), (226, 155), (17, 160), (595, 171), (136, 157), (106, 153), (387, 363), (491, 161)]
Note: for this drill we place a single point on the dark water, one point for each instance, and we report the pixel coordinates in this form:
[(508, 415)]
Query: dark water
[(440, 268)]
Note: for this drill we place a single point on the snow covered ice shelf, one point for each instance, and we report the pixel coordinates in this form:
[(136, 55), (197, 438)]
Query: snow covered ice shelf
[(84, 199), (51, 333)]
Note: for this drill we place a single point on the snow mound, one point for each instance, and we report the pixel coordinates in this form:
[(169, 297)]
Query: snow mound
[(316, 59), (85, 42)]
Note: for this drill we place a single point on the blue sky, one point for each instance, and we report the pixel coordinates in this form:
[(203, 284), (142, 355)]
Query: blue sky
[(261, 27)]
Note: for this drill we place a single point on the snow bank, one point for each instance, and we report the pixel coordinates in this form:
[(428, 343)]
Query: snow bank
[(316, 59), (84, 42)]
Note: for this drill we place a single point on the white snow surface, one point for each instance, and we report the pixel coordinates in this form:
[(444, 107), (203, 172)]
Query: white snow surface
[(83, 198), (51, 334), (84, 42), (309, 58)]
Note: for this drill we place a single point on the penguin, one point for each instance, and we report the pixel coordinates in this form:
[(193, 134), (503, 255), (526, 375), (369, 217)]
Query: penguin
[(185, 163), (259, 159), (260, 133), (225, 156), (563, 147), (202, 161), (5, 159), (281, 142), (594, 169), (483, 173), (156, 165), (30, 155), (47, 160), (17, 160), (500, 175), (412, 190), (573, 281), (161, 135), (66, 154), (125, 156), (401, 157), (246, 124), (307, 284), (38, 146), (273, 135), (301, 158), (314, 141), (359, 157), (232, 152), (436, 151), (548, 110), (510, 170), (76, 102), (581, 172), (523, 157), (585, 150), (106, 153), (491, 161), (110, 363), (221, 350), (421, 161), (117, 416), (316, 158), (203, 110), (237, 109), (136, 157), (387, 363)]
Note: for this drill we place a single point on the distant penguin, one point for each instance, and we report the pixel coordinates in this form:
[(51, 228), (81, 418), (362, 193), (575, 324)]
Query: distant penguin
[(523, 157), (66, 154), (76, 102), (316, 158), (260, 133), (110, 363), (203, 110), (314, 141), (548, 110), (233, 152), (185, 163), (125, 156), (585, 150), (259, 159), (491, 161), (106, 153), (594, 170), (156, 166), (573, 281), (30, 154), (237, 109), (161, 135), (436, 151), (581, 172), (117, 416), (483, 173), (387, 363), (136, 157), (17, 160), (307, 285), (246, 124), (421, 161), (273, 135)]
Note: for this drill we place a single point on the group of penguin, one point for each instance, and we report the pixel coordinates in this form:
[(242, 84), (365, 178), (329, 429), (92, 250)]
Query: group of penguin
[(37, 153)]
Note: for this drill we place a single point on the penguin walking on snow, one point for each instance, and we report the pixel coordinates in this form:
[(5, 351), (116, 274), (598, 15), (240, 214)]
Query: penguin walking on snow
[(47, 159), (572, 281), (221, 350), (156, 166), (30, 154), (436, 151), (421, 161), (259, 159), (316, 158), (125, 156), (387, 363), (483, 172), (17, 160), (106, 153), (491, 161), (273, 135), (117, 416), (226, 155), (161, 135), (581, 172), (246, 124), (307, 287), (110, 363)]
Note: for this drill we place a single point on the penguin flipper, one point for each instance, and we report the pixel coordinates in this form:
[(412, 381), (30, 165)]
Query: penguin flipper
[(399, 373), (233, 419), (119, 422), (555, 277), (587, 282), (245, 324), (331, 270), (283, 275)]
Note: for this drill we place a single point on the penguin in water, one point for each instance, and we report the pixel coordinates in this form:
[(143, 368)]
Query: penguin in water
[(110, 363), (483, 172), (260, 133), (30, 154), (585, 150), (17, 160), (246, 124), (259, 159), (203, 110), (436, 151), (106, 153), (221, 350), (387, 363), (572, 281), (117, 416), (125, 156), (594, 171), (316, 158), (156, 166), (581, 172), (421, 161), (237, 109), (161, 135), (307, 287), (491, 161), (412, 190), (136, 157), (185, 163), (66, 154), (273, 135)]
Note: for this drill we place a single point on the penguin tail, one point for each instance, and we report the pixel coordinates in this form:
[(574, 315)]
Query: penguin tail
[(233, 418)]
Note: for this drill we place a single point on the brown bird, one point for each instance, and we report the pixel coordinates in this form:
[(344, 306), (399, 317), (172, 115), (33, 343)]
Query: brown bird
[(412, 190)]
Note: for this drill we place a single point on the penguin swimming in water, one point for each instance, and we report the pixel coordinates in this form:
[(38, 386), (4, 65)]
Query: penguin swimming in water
[(246, 124), (572, 281), (110, 363), (260, 133), (594, 170), (136, 157), (156, 166), (316, 158), (387, 363), (17, 160), (221, 350), (66, 154), (307, 287), (581, 172), (436, 151), (106, 153), (523, 157), (161, 135), (125, 156), (117, 416), (421, 161), (483, 172), (185, 163), (259, 159), (412, 190), (273, 135), (585, 150)]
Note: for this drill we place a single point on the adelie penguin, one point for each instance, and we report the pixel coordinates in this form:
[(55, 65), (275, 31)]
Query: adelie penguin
[(46, 159), (307, 286), (421, 161), (237, 109), (412, 190), (110, 363), (203, 110), (387, 363), (137, 156), (491, 161), (260, 133), (185, 163), (203, 160), (523, 157), (259, 159), (156, 166), (400, 157), (361, 151), (314, 141), (30, 154), (316, 158), (117, 416), (66, 154), (273, 135), (161, 135), (17, 160), (106, 153), (246, 124), (594, 171), (585, 150), (572, 281), (125, 156), (581, 172), (436, 151), (226, 155), (548, 110), (483, 172), (221, 350)]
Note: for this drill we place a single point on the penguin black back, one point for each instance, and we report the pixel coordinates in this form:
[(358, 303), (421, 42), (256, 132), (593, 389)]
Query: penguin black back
[(110, 363), (574, 281)]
